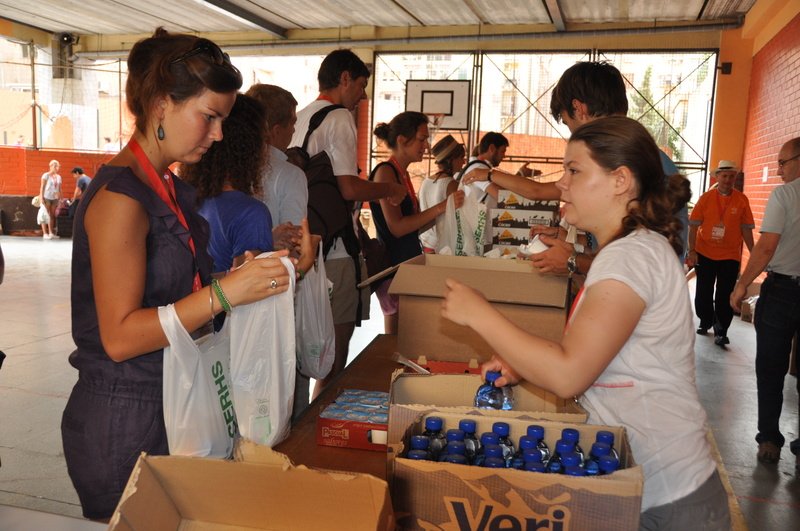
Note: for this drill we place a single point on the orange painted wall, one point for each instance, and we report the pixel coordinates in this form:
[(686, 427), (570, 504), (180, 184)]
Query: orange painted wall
[(21, 169)]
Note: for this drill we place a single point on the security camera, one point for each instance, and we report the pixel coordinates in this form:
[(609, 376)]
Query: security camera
[(67, 39)]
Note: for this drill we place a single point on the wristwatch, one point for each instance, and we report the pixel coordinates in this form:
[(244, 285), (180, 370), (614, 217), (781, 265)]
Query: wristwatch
[(572, 263), (489, 176)]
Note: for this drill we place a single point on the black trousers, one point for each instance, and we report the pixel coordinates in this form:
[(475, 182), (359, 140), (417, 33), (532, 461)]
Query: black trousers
[(714, 308)]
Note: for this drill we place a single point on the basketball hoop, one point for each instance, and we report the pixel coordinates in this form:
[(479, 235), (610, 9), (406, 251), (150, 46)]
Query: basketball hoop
[(434, 123)]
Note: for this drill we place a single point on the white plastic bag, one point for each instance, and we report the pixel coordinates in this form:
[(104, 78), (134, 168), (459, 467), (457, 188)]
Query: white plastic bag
[(263, 363), (43, 216), (314, 335), (198, 407), (463, 229)]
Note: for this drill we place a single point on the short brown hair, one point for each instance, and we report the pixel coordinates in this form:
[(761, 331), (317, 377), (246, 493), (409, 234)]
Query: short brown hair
[(176, 65), (278, 102)]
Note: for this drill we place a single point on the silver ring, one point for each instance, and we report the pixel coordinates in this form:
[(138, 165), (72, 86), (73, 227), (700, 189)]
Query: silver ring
[(273, 284)]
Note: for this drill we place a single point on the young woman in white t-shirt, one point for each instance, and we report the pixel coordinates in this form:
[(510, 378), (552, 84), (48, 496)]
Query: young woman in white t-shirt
[(49, 194), (628, 349)]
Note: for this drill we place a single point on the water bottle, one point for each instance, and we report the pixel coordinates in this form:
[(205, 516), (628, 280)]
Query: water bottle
[(563, 447), (457, 459), (418, 455), (592, 464), (453, 448), (608, 464), (433, 430), (486, 439), (607, 437), (420, 443), (536, 432), (572, 435), (570, 460), (454, 435), (492, 453), (490, 396), (535, 466), (502, 430), (473, 444), (525, 444), (494, 462), (575, 471)]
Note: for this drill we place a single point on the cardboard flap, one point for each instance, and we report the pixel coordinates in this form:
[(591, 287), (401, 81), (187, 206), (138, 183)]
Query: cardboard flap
[(512, 281), (250, 452), (144, 503)]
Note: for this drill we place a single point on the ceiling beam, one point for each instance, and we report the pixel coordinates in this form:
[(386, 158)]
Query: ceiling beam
[(230, 9), (556, 15)]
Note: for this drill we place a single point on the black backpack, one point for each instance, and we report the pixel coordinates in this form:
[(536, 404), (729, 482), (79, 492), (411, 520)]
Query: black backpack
[(329, 214)]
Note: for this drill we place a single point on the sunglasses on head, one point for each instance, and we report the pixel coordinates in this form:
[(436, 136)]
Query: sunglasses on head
[(205, 47)]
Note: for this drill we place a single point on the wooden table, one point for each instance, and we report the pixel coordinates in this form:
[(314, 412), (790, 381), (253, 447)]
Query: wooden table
[(371, 371)]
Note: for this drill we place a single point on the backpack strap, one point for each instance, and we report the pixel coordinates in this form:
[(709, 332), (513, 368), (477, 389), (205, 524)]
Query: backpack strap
[(316, 120), (471, 163)]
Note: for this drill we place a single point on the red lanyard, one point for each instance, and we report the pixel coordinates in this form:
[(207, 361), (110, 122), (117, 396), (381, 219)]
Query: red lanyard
[(165, 189), (406, 181), (326, 98), (572, 308), (720, 207)]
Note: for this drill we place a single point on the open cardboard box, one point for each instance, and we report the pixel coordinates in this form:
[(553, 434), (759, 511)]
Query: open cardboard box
[(429, 495), (535, 302), (260, 489), (412, 395)]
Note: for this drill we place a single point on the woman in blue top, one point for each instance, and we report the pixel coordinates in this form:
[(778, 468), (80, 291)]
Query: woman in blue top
[(140, 239)]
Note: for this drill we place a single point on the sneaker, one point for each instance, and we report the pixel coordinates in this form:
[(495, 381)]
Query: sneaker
[(47, 236), (721, 341), (702, 331), (768, 452)]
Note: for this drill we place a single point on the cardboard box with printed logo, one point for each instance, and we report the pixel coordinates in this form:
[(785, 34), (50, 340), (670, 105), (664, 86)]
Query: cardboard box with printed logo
[(433, 495), (260, 489)]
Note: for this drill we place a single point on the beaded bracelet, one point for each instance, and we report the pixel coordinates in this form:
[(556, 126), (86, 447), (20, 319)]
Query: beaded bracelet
[(221, 296), (211, 301)]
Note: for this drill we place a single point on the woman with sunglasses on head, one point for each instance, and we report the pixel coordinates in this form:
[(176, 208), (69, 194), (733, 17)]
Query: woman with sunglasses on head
[(406, 136), (628, 348), (140, 238)]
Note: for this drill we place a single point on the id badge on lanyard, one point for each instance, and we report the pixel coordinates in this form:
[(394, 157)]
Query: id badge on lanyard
[(718, 230)]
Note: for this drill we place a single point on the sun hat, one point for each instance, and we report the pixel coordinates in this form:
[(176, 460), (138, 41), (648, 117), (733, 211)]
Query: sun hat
[(442, 149), (726, 165)]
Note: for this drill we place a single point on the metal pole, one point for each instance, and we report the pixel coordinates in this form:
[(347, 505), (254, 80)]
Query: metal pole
[(31, 54)]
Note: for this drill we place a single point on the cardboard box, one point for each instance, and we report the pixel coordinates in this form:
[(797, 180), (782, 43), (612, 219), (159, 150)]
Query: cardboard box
[(533, 301), (511, 201), (349, 424), (429, 495), (415, 395), (748, 308), (261, 490), (522, 219)]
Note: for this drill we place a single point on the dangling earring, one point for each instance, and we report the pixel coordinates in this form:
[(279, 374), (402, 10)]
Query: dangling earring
[(160, 132)]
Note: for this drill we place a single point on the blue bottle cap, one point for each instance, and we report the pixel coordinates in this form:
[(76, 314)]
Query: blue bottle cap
[(455, 458), (501, 428), (420, 442), (494, 462), (600, 449), (418, 455), (574, 471), (536, 432), (454, 435), (467, 426), (570, 434), (456, 447), (608, 464), (491, 376), (564, 447), (534, 466), (605, 437), (532, 455), (489, 437), (433, 423), (570, 459), (526, 442), (493, 450)]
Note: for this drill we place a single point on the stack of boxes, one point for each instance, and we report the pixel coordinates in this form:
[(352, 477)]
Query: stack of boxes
[(513, 218)]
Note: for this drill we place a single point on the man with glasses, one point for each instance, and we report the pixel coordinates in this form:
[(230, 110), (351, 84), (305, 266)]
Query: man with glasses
[(777, 315)]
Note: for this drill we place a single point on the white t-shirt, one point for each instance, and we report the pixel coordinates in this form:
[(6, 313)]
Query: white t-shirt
[(285, 189), (432, 192), (649, 387), (52, 188), (782, 216), (337, 137)]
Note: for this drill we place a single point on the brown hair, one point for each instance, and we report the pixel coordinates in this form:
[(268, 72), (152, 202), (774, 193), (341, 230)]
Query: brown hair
[(278, 102), (238, 159), (405, 124), (178, 66), (616, 141)]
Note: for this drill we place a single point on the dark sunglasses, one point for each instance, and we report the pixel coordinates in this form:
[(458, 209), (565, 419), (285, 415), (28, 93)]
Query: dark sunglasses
[(208, 48), (781, 163)]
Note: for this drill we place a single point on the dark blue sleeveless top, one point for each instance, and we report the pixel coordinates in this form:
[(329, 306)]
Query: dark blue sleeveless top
[(402, 248), (169, 272)]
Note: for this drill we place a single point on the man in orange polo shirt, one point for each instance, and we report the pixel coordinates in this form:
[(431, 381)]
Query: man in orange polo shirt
[(719, 223)]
